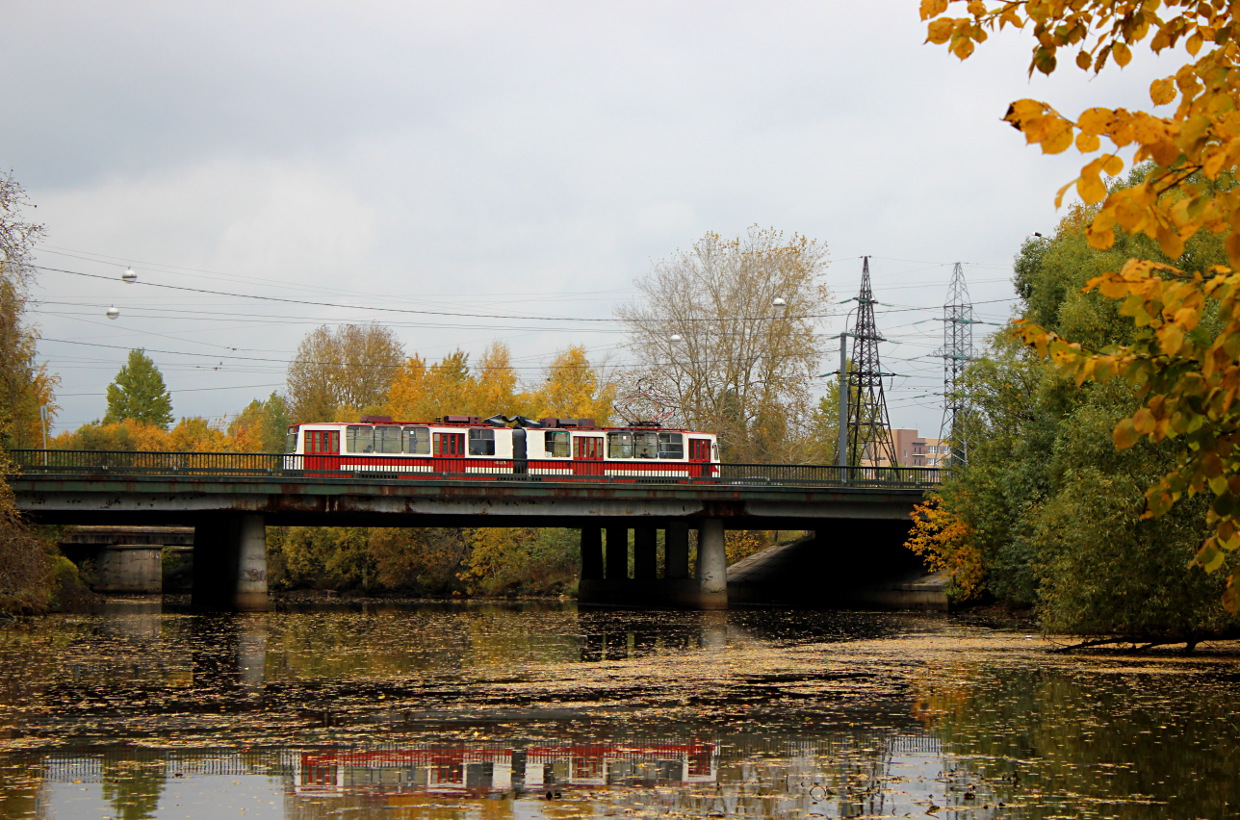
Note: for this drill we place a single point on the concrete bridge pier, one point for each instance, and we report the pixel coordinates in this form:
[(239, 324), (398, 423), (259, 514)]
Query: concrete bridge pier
[(591, 554), (606, 577), (676, 551), (712, 566), (129, 568), (230, 563)]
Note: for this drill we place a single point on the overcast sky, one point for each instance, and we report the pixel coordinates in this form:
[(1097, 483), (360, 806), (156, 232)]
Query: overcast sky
[(479, 159)]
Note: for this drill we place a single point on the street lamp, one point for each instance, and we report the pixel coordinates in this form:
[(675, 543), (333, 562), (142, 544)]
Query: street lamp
[(113, 311), (129, 277)]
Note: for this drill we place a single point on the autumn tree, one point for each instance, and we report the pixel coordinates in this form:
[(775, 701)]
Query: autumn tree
[(515, 560), (574, 389), (31, 571), (340, 373), (421, 392), (1186, 370), (26, 560), (27, 567), (138, 393), (195, 434), (498, 388), (710, 336), (260, 427), (25, 386), (115, 435)]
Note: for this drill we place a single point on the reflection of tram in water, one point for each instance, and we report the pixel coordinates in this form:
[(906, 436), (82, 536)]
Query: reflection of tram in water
[(553, 447), (478, 771)]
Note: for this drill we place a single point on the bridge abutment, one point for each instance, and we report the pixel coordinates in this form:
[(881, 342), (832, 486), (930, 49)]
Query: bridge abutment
[(605, 574), (230, 563)]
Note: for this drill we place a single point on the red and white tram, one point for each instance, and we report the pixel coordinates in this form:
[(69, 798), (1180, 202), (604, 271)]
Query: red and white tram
[(550, 447)]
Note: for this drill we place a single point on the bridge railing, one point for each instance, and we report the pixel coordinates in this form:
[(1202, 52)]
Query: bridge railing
[(105, 463)]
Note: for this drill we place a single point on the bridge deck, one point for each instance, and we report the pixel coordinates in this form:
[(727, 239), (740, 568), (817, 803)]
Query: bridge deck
[(98, 486)]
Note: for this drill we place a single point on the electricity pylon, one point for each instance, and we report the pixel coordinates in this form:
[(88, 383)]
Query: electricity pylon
[(957, 352), (869, 427)]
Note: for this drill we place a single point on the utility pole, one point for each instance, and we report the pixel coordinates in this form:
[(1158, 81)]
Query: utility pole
[(957, 352), (868, 423)]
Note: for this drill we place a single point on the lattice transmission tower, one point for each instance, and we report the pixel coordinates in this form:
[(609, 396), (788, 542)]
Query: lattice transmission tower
[(957, 352), (869, 427)]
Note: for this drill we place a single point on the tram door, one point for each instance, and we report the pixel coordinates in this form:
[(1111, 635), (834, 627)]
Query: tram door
[(322, 450), (449, 452), (699, 457), (520, 452), (588, 455)]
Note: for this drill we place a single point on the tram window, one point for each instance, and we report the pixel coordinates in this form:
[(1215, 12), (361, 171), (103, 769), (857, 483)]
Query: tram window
[(632, 444), (556, 443), (387, 439), (418, 441), (482, 442), (646, 445), (290, 440), (671, 445), (620, 445), (358, 439)]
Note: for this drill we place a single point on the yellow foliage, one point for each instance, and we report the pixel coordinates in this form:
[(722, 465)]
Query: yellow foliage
[(573, 389), (197, 435), (943, 541), (1200, 137), (740, 544), (245, 436), (115, 435), (493, 552)]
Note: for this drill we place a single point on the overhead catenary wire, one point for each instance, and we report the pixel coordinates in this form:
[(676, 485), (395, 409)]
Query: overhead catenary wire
[(422, 315)]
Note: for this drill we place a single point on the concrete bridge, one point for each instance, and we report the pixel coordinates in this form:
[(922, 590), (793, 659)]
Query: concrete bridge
[(230, 498)]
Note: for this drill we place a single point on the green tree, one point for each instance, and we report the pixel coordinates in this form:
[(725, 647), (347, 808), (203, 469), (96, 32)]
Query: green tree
[(341, 373), (138, 393), (1187, 371), (1046, 510), (710, 338)]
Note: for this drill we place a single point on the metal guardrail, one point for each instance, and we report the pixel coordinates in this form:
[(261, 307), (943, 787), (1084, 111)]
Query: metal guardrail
[(61, 464)]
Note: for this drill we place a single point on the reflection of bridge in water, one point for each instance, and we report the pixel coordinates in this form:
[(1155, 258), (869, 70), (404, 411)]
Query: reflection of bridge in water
[(841, 775), (482, 768), (647, 557)]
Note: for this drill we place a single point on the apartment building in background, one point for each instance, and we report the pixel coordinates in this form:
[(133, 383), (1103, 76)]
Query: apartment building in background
[(914, 450)]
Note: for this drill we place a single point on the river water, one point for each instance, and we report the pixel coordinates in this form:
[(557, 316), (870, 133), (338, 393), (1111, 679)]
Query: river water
[(547, 711)]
